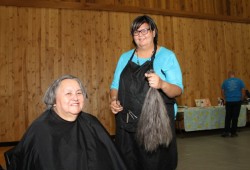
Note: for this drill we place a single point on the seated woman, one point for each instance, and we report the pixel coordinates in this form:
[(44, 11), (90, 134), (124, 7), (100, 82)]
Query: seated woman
[(64, 137)]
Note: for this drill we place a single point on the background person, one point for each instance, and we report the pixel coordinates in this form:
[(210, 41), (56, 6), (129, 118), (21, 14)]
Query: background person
[(129, 88), (64, 137), (233, 92)]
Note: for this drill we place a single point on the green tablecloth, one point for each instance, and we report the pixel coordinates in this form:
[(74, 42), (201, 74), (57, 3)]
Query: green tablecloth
[(206, 118)]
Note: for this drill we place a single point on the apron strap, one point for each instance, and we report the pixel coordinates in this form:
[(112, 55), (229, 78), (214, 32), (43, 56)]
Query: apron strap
[(152, 57), (132, 55)]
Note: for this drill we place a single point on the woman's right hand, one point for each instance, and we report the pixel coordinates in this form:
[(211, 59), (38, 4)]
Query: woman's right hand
[(115, 106)]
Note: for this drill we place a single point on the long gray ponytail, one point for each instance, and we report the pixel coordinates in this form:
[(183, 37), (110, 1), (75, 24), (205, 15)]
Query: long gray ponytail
[(154, 127)]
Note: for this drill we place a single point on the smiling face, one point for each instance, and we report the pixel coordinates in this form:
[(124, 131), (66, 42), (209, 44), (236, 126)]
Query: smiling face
[(143, 40), (69, 100)]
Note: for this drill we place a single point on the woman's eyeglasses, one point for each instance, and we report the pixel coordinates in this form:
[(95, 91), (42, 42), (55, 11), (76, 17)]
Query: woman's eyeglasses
[(143, 32)]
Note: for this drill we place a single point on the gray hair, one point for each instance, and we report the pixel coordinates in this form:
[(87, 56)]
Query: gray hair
[(50, 95), (154, 127)]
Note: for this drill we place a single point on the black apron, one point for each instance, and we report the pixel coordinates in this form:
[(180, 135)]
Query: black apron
[(133, 88), (132, 91)]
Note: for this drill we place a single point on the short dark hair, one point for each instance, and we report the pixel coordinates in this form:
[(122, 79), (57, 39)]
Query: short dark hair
[(50, 95), (138, 21)]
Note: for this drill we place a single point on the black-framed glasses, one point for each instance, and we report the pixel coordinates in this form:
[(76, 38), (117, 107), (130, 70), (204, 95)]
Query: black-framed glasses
[(143, 32)]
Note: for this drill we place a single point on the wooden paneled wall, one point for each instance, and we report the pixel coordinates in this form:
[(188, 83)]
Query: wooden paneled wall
[(37, 45), (232, 10)]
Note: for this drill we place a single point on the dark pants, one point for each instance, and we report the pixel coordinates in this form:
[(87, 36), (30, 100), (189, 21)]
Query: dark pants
[(232, 115), (164, 158), (137, 158)]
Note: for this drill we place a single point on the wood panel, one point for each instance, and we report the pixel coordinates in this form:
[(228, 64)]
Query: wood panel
[(209, 49), (37, 45), (233, 10)]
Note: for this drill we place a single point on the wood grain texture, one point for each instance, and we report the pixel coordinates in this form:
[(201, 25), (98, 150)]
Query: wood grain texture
[(37, 45), (223, 10)]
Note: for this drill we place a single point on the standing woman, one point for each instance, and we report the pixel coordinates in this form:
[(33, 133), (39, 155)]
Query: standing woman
[(129, 90)]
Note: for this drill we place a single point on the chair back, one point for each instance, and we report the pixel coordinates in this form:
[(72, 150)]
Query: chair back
[(8, 155)]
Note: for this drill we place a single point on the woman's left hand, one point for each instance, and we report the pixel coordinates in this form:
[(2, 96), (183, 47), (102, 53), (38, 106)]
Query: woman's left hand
[(154, 80)]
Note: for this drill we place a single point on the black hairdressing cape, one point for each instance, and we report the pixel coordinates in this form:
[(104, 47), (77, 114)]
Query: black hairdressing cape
[(52, 143)]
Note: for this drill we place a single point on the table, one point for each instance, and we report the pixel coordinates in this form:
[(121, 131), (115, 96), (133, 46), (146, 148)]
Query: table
[(207, 118)]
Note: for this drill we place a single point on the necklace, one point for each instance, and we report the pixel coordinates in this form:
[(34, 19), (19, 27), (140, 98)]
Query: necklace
[(138, 63), (137, 57)]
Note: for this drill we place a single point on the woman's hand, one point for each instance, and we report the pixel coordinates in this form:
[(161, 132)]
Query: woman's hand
[(154, 80), (115, 106), (171, 90)]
